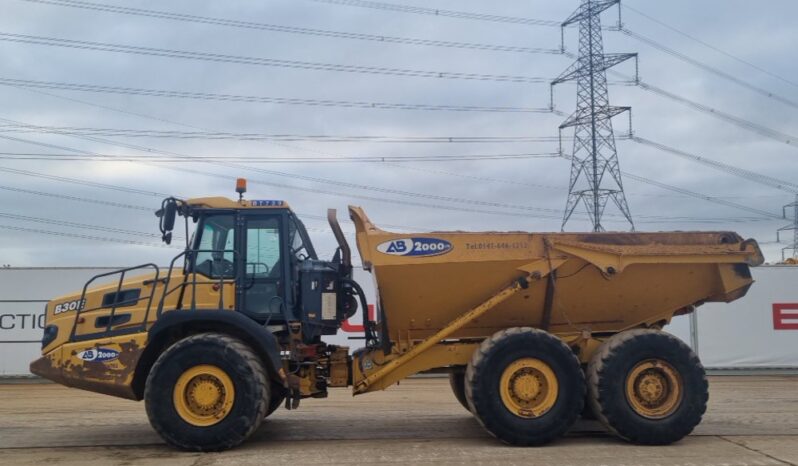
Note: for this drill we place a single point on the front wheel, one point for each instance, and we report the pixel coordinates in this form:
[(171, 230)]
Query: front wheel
[(207, 392), (525, 386), (647, 386)]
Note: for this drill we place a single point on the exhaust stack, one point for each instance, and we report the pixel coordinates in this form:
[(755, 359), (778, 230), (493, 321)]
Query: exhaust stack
[(346, 252)]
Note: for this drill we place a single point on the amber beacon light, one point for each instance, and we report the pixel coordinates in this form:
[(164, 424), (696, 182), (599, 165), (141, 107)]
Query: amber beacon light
[(241, 187)]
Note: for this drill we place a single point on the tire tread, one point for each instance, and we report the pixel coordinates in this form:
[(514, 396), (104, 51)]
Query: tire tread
[(250, 361)]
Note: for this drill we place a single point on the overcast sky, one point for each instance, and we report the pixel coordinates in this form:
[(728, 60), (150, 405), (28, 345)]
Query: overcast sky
[(762, 33)]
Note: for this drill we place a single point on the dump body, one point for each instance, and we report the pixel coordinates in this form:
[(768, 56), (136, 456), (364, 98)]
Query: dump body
[(599, 283)]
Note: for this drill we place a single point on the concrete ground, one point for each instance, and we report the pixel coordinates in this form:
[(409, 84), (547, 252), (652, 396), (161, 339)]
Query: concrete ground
[(751, 420)]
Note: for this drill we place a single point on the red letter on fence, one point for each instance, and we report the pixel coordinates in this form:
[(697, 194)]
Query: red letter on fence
[(785, 320)]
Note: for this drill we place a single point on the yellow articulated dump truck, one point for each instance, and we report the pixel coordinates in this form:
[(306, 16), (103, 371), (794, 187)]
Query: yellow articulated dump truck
[(535, 329)]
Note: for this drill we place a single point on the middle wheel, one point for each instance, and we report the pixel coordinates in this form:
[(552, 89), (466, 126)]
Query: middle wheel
[(525, 386), (457, 381), (276, 398)]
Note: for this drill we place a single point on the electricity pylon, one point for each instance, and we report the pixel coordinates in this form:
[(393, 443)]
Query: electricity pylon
[(595, 173), (793, 227)]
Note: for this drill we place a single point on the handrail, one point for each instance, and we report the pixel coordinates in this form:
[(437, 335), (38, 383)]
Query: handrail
[(121, 272), (190, 254)]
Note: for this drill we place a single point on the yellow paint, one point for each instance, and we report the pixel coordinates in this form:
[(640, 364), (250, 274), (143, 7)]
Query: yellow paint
[(654, 389), (528, 388), (605, 283), (532, 272), (439, 307), (225, 203), (207, 297), (203, 395), (441, 355)]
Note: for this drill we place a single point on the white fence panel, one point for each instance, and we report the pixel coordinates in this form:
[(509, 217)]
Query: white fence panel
[(758, 331)]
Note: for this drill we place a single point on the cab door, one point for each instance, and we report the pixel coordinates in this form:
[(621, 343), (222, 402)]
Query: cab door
[(262, 286)]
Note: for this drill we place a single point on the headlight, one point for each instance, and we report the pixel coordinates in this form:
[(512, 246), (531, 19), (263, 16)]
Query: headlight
[(50, 333)]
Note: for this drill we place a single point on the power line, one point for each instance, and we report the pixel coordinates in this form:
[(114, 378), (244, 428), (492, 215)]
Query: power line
[(43, 144), (261, 99), (683, 192), (662, 219), (705, 197), (737, 121), (257, 61), (455, 200), (141, 207), (159, 119), (416, 41), (65, 223), (710, 69), (173, 134), (712, 47), (326, 192), (91, 184), (291, 29), (624, 30), (149, 150), (83, 236), (302, 215), (706, 109), (75, 198), (260, 159), (541, 213), (686, 192), (443, 13), (477, 177), (782, 185), (650, 218)]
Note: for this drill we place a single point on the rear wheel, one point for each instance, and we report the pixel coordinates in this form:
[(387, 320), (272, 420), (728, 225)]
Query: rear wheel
[(525, 386), (276, 400), (207, 392), (457, 381), (647, 386)]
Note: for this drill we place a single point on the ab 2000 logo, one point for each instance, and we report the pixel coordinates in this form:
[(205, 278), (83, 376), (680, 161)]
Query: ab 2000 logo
[(98, 355), (415, 247)]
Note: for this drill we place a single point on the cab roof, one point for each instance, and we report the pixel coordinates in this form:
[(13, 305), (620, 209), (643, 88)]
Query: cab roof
[(225, 203)]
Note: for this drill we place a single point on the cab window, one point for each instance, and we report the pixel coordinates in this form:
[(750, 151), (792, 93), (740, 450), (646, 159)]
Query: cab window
[(299, 247), (263, 247), (216, 244)]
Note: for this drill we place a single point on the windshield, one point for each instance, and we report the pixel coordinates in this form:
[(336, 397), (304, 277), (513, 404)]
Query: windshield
[(301, 247)]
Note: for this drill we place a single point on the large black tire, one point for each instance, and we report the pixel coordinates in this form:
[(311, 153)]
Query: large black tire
[(457, 381), (587, 411), (276, 400), (681, 400), (494, 358), (250, 392)]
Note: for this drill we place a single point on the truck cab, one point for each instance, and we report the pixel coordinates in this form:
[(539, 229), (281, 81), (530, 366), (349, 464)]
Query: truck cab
[(249, 269), (263, 249)]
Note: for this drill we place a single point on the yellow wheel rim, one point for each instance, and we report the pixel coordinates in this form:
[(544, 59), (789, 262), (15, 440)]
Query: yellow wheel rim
[(654, 389), (203, 395), (528, 388)]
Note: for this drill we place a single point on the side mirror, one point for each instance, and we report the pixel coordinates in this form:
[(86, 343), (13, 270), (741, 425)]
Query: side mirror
[(167, 214)]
